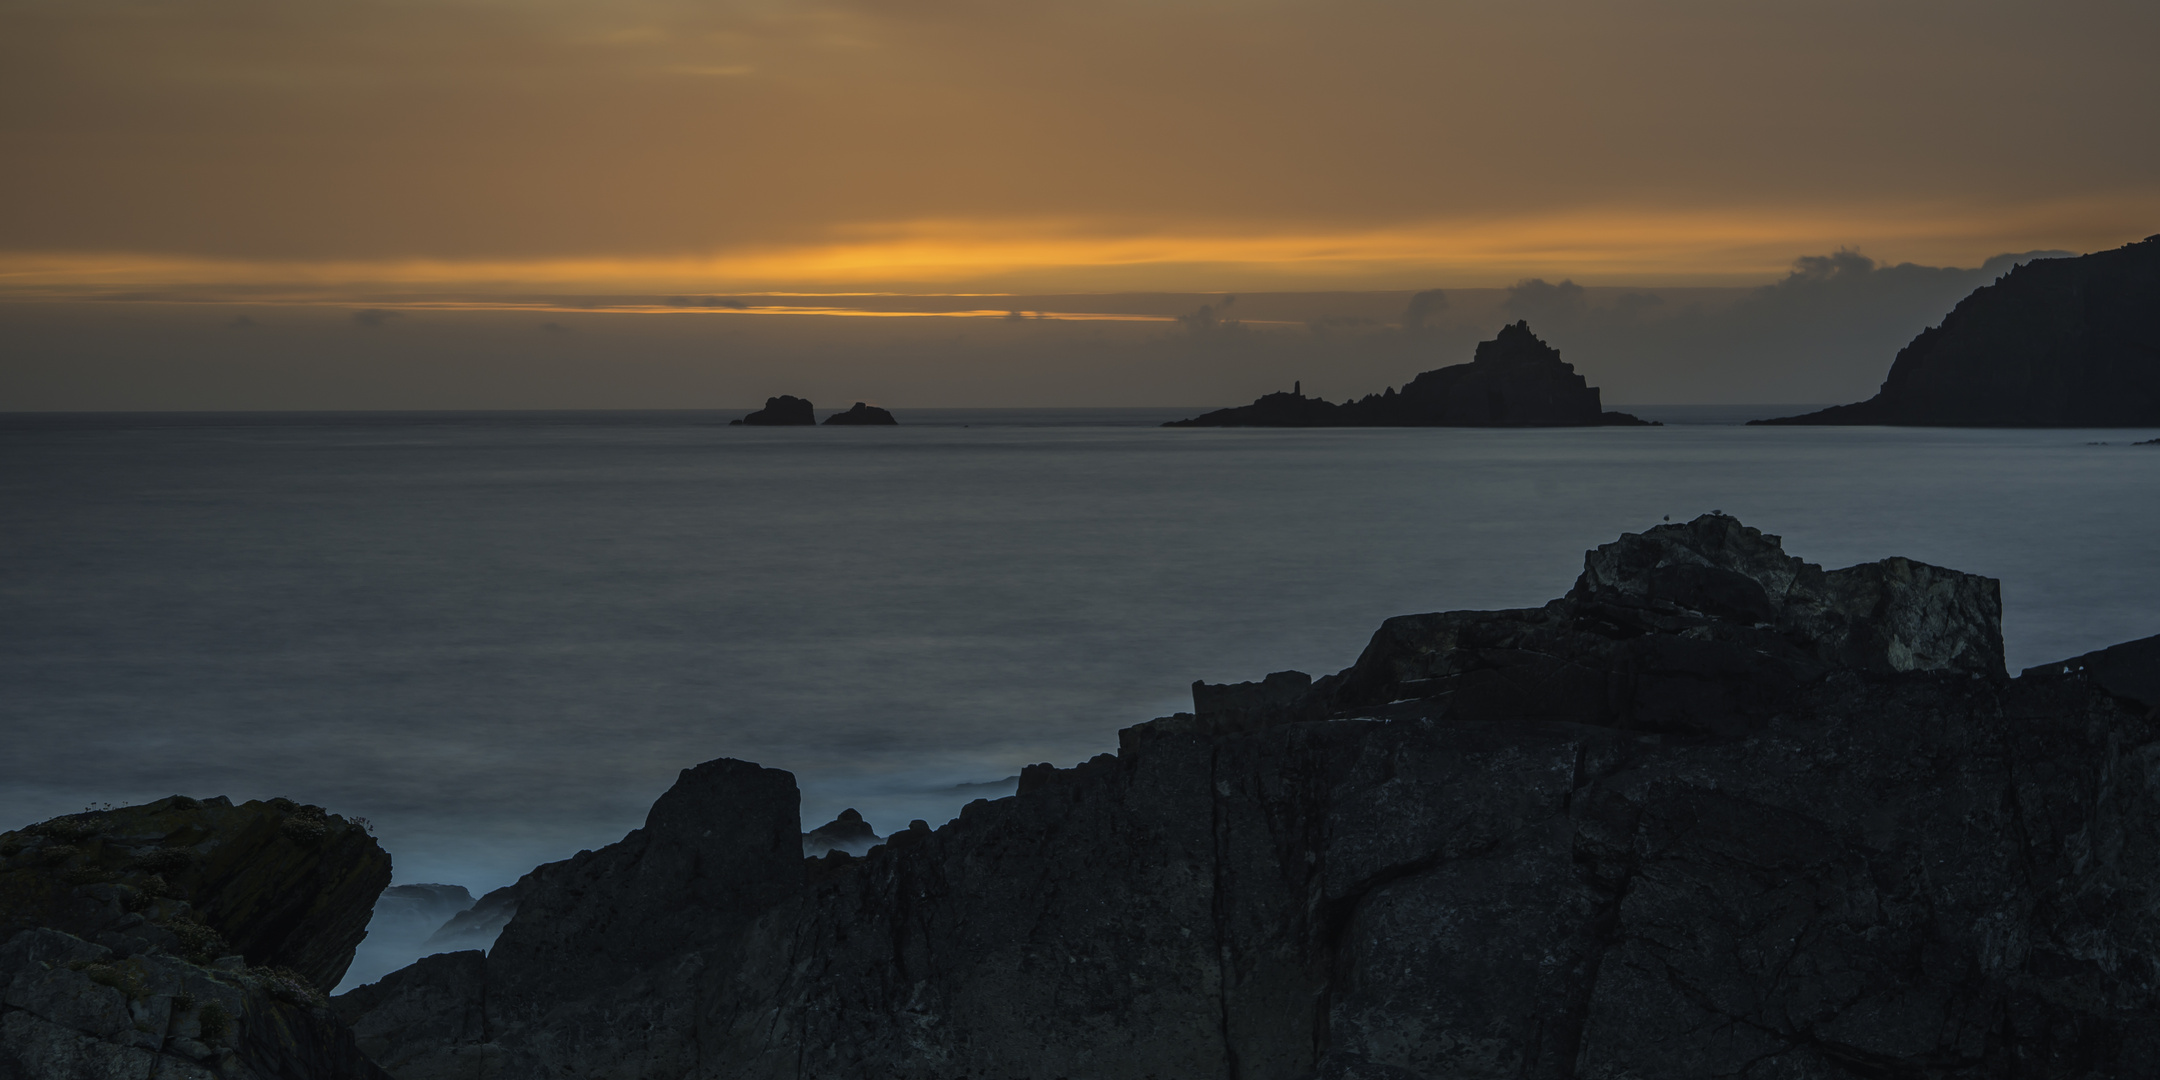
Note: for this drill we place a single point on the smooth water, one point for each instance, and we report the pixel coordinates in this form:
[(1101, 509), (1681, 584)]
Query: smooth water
[(499, 636)]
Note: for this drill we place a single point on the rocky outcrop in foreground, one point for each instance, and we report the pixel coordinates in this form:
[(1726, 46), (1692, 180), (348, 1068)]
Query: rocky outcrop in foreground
[(1717, 812), (2053, 343), (183, 938), (1514, 380)]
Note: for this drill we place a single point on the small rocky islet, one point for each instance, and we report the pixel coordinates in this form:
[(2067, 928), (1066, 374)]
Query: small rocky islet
[(788, 410), (1714, 812)]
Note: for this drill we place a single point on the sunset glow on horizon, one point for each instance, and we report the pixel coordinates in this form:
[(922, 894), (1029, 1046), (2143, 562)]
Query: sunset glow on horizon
[(950, 145), (958, 257), (254, 203)]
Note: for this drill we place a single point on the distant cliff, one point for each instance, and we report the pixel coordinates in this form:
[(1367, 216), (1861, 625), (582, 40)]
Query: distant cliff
[(2053, 343), (1514, 380), (1717, 812)]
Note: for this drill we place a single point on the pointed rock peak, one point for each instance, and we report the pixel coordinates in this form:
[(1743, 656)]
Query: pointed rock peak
[(1515, 344), (850, 814)]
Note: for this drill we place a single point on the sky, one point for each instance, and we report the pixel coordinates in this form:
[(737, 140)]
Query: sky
[(478, 164)]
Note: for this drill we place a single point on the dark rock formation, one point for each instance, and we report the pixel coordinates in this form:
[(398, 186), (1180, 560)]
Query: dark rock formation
[(848, 832), (861, 414), (2053, 343), (282, 884), (182, 938), (429, 1014), (1715, 813), (1515, 380), (779, 411)]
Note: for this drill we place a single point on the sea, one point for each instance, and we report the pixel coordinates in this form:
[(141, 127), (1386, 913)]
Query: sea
[(497, 637)]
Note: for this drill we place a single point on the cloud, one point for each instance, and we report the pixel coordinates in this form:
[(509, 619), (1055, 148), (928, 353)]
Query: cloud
[(373, 316), (1422, 306), (1208, 320), (1543, 303), (554, 328), (242, 322)]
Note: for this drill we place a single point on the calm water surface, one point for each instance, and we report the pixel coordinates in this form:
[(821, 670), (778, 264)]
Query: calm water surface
[(499, 636)]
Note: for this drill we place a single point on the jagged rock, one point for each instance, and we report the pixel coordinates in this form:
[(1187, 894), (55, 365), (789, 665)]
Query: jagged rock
[(2053, 343), (77, 1010), (283, 884), (182, 938), (1514, 380), (1716, 812), (780, 411), (848, 832), (862, 414), (406, 1021)]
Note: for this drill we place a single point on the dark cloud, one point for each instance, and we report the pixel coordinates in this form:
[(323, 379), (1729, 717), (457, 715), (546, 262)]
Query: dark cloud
[(554, 328), (1209, 319), (242, 323), (373, 316), (1422, 306), (705, 301)]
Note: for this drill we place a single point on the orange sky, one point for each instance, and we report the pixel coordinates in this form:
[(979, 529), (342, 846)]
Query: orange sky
[(954, 145)]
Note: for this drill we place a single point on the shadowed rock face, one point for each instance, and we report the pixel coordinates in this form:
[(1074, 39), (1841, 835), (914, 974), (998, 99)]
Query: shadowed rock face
[(182, 938), (1515, 380), (1717, 812), (282, 884), (2053, 343), (780, 411)]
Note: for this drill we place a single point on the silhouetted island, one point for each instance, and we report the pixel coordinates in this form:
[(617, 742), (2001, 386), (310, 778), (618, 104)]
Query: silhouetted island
[(1514, 380), (783, 410), (2053, 343), (862, 414)]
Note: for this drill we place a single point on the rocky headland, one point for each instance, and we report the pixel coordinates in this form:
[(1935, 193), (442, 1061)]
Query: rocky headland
[(2053, 343), (185, 939), (1716, 812), (1514, 380)]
